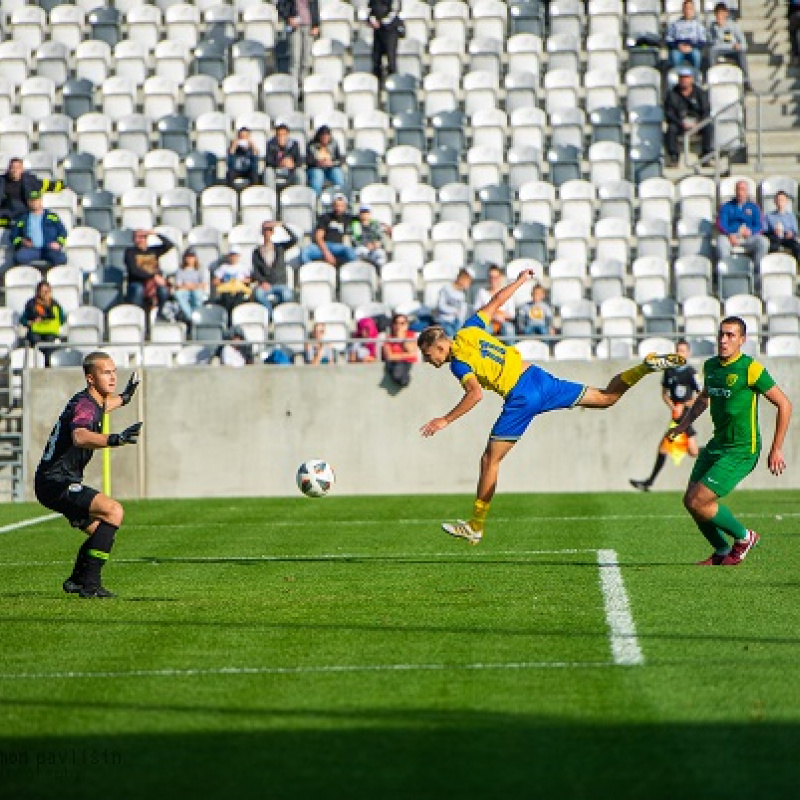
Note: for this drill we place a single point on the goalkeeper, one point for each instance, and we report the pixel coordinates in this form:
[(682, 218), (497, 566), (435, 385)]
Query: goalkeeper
[(59, 477)]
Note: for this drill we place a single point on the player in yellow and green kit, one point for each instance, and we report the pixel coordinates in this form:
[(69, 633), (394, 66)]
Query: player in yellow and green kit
[(480, 361), (733, 382)]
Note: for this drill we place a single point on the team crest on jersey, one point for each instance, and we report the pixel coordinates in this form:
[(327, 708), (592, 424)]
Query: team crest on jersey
[(731, 379), (75, 487)]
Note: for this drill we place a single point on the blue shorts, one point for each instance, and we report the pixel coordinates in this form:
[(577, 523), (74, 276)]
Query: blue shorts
[(536, 392)]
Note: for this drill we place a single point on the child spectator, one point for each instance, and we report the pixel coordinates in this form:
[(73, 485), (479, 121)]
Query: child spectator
[(318, 351), (367, 236), (535, 318), (782, 227)]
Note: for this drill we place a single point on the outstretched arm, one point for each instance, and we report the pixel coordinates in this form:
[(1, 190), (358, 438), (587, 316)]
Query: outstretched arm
[(698, 407), (125, 396), (472, 396), (776, 462), (499, 299)]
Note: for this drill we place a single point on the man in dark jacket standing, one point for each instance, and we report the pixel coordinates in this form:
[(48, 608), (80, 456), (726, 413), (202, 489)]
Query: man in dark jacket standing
[(270, 274), (17, 186), (146, 284), (385, 21), (302, 24), (686, 106)]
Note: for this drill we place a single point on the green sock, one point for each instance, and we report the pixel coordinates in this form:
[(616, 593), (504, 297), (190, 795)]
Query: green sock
[(728, 523), (633, 375), (714, 537)]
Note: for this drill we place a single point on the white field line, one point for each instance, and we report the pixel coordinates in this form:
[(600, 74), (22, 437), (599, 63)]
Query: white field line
[(15, 526), (625, 648), (389, 557), (336, 669)]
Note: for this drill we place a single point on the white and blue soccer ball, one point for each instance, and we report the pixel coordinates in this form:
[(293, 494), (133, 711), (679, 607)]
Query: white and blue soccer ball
[(315, 478)]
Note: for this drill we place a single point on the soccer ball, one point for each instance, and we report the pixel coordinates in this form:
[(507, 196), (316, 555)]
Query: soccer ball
[(315, 478)]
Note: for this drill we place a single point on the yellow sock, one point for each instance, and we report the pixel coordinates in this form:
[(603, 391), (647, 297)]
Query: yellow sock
[(479, 512), (633, 375)]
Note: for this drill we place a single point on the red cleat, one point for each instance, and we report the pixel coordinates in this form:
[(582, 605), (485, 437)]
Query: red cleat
[(714, 560), (741, 549)]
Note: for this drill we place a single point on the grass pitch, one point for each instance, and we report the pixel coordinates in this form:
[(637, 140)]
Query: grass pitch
[(347, 648)]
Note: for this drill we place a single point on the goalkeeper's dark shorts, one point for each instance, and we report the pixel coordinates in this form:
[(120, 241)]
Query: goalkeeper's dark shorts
[(71, 500)]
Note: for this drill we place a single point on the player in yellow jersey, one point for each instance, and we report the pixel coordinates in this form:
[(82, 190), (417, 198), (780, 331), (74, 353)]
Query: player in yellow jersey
[(480, 361)]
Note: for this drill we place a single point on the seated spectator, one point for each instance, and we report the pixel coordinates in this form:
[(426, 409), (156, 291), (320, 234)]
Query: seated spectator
[(283, 158), (728, 42), (685, 106), (452, 308), (686, 38), (43, 318), (270, 274), (794, 29), (147, 286), (39, 235), (782, 227), (318, 351), (18, 186), (400, 351), (232, 281), (367, 351), (503, 320), (367, 236), (741, 225), (191, 285), (324, 161), (243, 158), (329, 236), (237, 353), (536, 318)]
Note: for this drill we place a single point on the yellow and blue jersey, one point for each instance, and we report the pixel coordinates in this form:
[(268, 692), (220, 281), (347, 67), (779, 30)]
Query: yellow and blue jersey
[(475, 351)]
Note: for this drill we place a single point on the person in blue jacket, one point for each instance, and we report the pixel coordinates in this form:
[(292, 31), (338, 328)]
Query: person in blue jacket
[(39, 235), (741, 226)]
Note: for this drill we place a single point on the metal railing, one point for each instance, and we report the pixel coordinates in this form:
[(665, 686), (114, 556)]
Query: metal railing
[(760, 98), (718, 148)]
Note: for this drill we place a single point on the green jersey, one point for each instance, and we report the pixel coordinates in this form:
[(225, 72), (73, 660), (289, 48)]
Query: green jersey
[(733, 388)]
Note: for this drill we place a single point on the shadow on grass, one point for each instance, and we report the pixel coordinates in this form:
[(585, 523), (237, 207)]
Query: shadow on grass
[(383, 755)]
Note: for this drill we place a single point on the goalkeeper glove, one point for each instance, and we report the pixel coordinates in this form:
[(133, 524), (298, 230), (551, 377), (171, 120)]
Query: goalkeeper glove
[(128, 436), (128, 392)]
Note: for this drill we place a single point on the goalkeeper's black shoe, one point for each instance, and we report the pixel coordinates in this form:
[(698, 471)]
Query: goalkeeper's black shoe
[(642, 486), (71, 587), (98, 593)]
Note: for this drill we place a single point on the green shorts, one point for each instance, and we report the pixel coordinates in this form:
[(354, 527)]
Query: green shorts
[(722, 471)]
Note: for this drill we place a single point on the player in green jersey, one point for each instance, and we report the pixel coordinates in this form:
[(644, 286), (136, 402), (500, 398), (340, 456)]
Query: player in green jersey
[(733, 381)]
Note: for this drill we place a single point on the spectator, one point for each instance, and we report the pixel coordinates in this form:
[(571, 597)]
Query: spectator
[(367, 236), (317, 351), (727, 40), (329, 236), (232, 281), (283, 158), (686, 38), (243, 158), (39, 235), (191, 285), (782, 227), (367, 351), (17, 186), (324, 161), (270, 275), (400, 351), (794, 28), (452, 307), (386, 26), (503, 320), (741, 225), (536, 318), (43, 318), (237, 353), (146, 284), (301, 18), (686, 105)]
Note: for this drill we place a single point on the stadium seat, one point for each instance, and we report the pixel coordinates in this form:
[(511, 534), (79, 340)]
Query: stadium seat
[(694, 235), (612, 237), (572, 241), (126, 324), (441, 93), (138, 208), (418, 205), (15, 57), (617, 199), (783, 315), (362, 168), (653, 238), (578, 200), (734, 277), (37, 98), (607, 279), (450, 242), (401, 92), (489, 243), (83, 249), (160, 170), (317, 284), (206, 243), (778, 276), (133, 133), (566, 282), (371, 131), (86, 325), (209, 323), (27, 26), (260, 23), (748, 308), (145, 24), (536, 202), (52, 62), (80, 172), (496, 203), (105, 287), (105, 24), (201, 95), (358, 283), (16, 134), (565, 164), (783, 346), (435, 276), (565, 18), (701, 316), (607, 125), (561, 90), (337, 21), (20, 286), (398, 283), (382, 200), (527, 18), (530, 241), (98, 210), (650, 279), (451, 18), (660, 316), (578, 319), (455, 203), (219, 207), (178, 208), (67, 284), (486, 51)]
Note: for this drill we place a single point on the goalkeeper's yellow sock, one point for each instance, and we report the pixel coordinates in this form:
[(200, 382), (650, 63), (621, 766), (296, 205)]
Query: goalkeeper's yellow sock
[(479, 512), (633, 375)]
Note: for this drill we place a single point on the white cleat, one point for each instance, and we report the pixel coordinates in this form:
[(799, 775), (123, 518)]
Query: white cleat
[(657, 363), (462, 530)]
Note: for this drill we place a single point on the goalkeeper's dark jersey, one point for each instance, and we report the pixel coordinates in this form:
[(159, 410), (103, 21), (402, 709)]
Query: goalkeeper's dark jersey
[(61, 460)]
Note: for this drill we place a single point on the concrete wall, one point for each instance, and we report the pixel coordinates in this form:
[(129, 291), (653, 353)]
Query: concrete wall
[(216, 431)]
